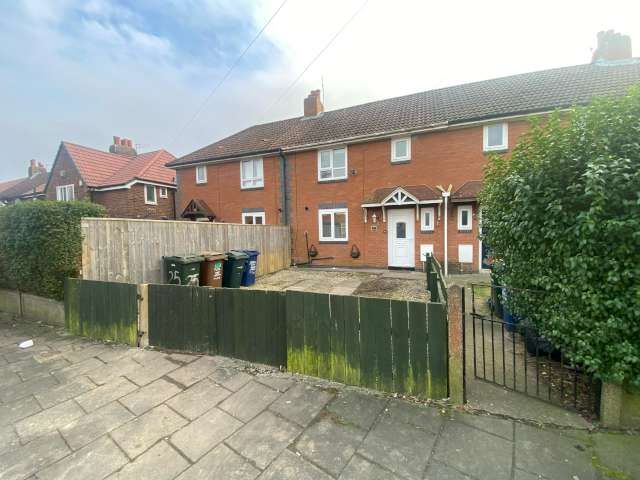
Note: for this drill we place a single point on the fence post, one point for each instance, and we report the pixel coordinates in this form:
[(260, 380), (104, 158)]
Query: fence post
[(143, 315), (456, 345)]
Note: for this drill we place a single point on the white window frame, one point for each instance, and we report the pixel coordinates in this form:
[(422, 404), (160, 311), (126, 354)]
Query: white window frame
[(253, 215), (332, 212), (63, 191), (155, 195), (164, 192), (332, 168), (394, 157), (424, 227), (505, 138), (465, 250), (203, 169), (467, 208), (255, 181)]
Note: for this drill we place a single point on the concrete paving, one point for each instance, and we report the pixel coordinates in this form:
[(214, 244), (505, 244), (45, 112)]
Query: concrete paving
[(75, 409)]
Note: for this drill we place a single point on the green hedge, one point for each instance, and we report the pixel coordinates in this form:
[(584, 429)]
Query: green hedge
[(563, 215), (41, 245)]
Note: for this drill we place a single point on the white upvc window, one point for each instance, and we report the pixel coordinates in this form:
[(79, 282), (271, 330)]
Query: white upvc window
[(496, 137), (464, 217), (332, 164), (150, 195), (465, 253), (201, 174), (253, 218), (251, 173), (401, 149), (333, 224), (65, 193), (427, 219), (163, 192)]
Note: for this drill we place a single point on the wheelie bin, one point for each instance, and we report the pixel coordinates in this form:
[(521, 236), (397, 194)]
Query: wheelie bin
[(211, 269), (250, 267), (183, 269), (233, 268)]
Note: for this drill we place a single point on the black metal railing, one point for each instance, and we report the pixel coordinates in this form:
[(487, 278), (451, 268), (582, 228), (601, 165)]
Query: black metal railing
[(510, 352)]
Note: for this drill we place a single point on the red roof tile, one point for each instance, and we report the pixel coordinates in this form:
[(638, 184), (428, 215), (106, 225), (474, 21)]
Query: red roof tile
[(103, 169), (468, 191)]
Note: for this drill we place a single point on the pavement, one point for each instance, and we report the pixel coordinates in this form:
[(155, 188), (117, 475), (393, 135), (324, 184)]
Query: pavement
[(72, 409)]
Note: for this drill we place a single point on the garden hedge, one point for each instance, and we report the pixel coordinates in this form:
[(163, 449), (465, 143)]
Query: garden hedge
[(41, 245), (562, 216)]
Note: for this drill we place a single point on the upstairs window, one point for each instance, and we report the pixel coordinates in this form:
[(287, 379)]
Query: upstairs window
[(427, 219), (401, 149), (495, 137), (334, 224), (65, 193), (253, 218), (332, 164), (163, 192), (464, 218), (201, 174), (251, 175), (150, 195)]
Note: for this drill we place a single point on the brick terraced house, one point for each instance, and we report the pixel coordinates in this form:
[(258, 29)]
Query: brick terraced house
[(128, 184), (30, 187), (382, 183)]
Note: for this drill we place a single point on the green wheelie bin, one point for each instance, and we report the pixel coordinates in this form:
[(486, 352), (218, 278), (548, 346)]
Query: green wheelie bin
[(183, 269), (233, 268)]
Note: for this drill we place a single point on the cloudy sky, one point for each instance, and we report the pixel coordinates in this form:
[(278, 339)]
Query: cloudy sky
[(85, 70)]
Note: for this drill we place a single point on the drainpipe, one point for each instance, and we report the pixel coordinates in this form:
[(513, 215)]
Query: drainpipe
[(284, 188), (445, 195)]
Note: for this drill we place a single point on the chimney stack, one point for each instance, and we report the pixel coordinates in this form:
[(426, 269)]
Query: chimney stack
[(32, 168), (122, 146), (313, 105), (42, 168), (612, 46)]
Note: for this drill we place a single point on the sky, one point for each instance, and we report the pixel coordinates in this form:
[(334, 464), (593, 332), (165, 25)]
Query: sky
[(85, 70)]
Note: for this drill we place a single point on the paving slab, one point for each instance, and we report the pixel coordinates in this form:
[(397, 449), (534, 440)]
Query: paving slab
[(151, 371), (553, 454), (264, 438), (160, 462), (24, 461), (150, 396), (222, 463), (111, 371), (249, 401), (362, 469), (112, 353), (148, 357), (48, 420), (138, 435), (89, 427), (9, 439), (280, 383), (24, 389), (104, 394), (612, 454), (474, 452), (42, 369), (84, 351), (64, 392), (14, 411), (9, 377), (398, 446), (198, 398), (77, 369), (96, 460), (289, 466), (498, 426), (424, 416), (301, 403), (183, 357), (358, 408), (439, 471), (330, 444), (205, 433), (194, 371), (230, 378)]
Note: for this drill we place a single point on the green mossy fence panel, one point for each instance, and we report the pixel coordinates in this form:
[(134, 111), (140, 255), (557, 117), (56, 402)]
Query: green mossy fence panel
[(294, 302), (402, 379), (350, 313), (438, 350), (225, 321), (337, 348), (102, 310), (418, 348)]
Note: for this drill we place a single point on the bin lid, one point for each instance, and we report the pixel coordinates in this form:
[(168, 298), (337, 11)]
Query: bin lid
[(212, 256), (251, 252), (238, 254), (187, 258)]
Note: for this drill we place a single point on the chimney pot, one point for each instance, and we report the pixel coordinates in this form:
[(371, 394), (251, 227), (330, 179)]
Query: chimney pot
[(312, 104), (612, 46), (116, 140), (122, 146)]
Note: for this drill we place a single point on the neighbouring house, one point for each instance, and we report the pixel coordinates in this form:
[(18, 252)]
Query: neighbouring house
[(381, 184), (128, 184), (30, 187)]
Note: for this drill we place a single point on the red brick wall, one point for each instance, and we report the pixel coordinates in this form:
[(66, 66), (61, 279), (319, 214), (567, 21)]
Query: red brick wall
[(129, 203), (224, 196), (63, 163)]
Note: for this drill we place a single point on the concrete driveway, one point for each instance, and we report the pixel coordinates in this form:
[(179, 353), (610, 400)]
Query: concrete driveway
[(74, 409)]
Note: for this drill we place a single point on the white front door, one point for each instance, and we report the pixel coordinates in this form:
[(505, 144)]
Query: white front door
[(400, 227)]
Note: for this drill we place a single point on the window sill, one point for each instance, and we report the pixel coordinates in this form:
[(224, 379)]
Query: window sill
[(152, 204), (201, 183), (334, 241), (496, 150), (400, 162), (465, 230), (427, 231), (244, 189), (337, 180)]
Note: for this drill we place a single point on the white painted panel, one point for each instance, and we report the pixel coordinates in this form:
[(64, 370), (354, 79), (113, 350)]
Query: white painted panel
[(465, 253), (424, 249)]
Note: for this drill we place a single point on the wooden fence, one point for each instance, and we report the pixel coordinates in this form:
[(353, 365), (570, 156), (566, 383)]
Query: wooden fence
[(129, 250), (102, 310)]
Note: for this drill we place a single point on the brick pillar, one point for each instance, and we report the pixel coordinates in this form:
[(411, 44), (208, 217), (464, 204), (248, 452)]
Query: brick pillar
[(611, 405), (456, 345)]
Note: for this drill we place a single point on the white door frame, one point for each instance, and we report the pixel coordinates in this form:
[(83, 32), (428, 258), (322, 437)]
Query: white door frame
[(406, 215)]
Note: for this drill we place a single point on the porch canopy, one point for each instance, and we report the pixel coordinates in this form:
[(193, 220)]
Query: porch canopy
[(401, 196), (198, 209)]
